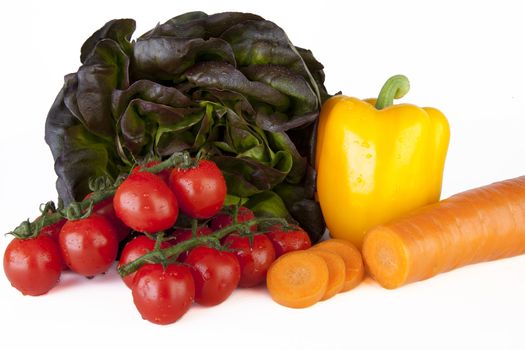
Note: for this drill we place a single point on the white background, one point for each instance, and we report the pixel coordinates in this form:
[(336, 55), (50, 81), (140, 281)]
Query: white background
[(465, 58)]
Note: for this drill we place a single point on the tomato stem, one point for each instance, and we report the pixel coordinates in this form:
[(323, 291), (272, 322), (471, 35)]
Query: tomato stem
[(159, 256), (46, 208), (235, 213), (76, 212), (194, 227), (100, 183), (158, 240), (29, 229)]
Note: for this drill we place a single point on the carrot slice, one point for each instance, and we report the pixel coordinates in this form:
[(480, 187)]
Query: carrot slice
[(336, 272), (481, 224), (354, 266), (297, 279)]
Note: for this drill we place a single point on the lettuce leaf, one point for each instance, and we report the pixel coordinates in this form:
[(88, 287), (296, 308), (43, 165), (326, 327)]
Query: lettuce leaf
[(231, 85)]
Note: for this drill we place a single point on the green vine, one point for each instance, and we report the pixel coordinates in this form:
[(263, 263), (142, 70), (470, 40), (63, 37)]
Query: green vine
[(159, 256), (76, 210)]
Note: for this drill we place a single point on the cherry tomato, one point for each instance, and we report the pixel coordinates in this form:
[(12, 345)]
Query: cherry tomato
[(200, 190), (133, 250), (53, 230), (183, 234), (254, 260), (284, 241), (224, 219), (161, 295), (89, 246), (145, 203), (33, 266), (105, 208), (216, 274), (164, 174)]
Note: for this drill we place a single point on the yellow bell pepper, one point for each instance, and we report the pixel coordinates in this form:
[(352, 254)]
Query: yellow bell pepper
[(376, 163)]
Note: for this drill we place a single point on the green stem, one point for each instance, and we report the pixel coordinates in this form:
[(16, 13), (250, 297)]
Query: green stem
[(157, 256), (30, 229), (158, 240), (176, 159), (394, 88), (194, 227)]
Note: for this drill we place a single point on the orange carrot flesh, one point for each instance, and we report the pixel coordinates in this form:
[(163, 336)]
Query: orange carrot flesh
[(354, 267), (336, 272), (481, 224), (297, 279)]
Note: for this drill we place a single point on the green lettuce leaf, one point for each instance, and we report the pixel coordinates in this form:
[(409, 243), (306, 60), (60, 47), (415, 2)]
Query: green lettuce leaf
[(229, 85)]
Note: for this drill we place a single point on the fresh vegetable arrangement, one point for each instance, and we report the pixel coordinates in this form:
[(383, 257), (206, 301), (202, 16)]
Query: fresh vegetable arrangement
[(205, 156)]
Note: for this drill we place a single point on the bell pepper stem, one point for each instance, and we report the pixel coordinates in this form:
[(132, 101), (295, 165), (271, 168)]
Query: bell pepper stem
[(394, 88)]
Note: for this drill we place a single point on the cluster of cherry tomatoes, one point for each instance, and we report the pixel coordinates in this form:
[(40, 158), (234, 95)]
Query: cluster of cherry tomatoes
[(146, 206)]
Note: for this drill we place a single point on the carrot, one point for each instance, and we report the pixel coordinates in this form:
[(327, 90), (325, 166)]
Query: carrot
[(336, 272), (297, 279), (481, 224), (354, 267)]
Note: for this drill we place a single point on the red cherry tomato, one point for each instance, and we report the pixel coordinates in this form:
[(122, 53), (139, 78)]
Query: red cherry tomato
[(161, 295), (33, 266), (285, 241), (145, 203), (224, 219), (89, 246), (183, 234), (53, 231), (216, 274), (254, 260), (105, 209), (164, 174), (133, 250), (200, 190)]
